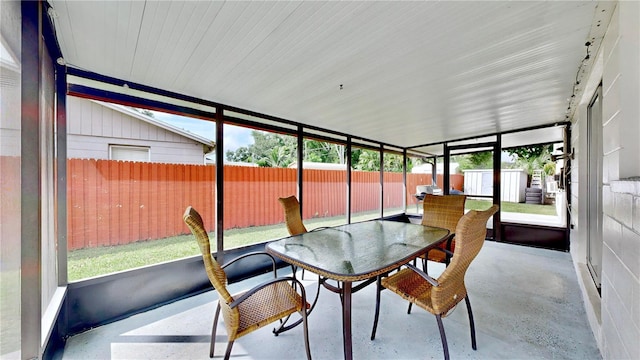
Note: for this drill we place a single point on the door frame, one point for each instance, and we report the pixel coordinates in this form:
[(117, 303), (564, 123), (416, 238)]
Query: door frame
[(594, 186)]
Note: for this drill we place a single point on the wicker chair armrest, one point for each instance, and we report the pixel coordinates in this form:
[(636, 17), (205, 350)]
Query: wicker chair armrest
[(448, 243), (424, 275), (449, 253), (265, 284), (273, 260)]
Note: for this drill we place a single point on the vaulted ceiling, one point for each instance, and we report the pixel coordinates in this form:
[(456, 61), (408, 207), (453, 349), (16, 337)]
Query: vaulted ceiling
[(402, 73)]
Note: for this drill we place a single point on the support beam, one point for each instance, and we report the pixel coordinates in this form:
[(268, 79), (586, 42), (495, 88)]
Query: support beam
[(220, 183), (497, 170), (30, 182), (300, 170), (349, 164)]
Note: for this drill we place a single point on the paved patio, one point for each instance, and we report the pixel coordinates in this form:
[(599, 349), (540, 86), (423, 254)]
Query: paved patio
[(526, 301)]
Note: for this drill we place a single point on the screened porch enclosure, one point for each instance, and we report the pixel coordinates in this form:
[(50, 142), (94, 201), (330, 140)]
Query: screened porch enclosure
[(227, 106), (126, 214)]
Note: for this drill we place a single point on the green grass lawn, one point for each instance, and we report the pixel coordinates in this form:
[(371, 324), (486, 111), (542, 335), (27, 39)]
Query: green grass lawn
[(86, 263), (90, 262), (9, 312), (537, 209)]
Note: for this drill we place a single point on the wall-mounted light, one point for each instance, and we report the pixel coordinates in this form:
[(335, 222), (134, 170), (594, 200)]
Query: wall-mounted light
[(563, 156)]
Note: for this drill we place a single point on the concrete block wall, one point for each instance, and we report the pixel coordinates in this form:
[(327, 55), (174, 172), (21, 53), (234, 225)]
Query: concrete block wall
[(620, 89), (621, 198), (621, 271), (615, 317)]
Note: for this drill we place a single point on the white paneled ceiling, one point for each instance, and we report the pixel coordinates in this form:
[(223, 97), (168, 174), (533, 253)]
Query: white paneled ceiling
[(402, 73)]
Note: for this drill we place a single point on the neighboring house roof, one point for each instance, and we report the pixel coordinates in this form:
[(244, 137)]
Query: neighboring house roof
[(159, 123)]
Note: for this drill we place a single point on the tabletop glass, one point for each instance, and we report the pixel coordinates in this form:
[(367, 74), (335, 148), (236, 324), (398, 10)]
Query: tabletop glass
[(360, 250)]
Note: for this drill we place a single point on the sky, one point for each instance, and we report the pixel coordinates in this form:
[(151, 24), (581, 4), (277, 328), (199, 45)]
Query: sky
[(234, 136)]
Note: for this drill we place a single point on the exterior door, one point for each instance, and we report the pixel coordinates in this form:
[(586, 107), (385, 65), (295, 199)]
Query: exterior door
[(483, 187), (594, 187)]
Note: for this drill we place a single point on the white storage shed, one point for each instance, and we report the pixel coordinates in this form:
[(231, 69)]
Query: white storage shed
[(480, 182)]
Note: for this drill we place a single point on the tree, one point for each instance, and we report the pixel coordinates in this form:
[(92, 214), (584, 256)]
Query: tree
[(242, 154), (529, 153), (275, 150), (265, 143), (268, 150), (549, 168), (276, 157), (393, 163), (368, 160), (324, 152), (535, 157), (477, 160)]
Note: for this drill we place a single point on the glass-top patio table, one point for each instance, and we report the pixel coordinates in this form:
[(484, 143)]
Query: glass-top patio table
[(355, 252)]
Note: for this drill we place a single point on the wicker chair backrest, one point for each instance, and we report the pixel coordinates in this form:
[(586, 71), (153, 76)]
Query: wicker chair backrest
[(292, 216), (443, 210), (216, 274), (470, 234)]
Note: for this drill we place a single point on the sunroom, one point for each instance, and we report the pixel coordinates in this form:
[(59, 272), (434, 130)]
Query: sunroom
[(116, 116)]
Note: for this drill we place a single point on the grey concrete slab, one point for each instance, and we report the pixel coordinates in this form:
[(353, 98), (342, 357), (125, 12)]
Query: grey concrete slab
[(526, 303)]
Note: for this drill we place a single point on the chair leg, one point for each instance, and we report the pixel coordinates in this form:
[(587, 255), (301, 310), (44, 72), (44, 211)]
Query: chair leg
[(227, 354), (213, 331), (471, 324), (305, 328), (377, 314), (445, 347)]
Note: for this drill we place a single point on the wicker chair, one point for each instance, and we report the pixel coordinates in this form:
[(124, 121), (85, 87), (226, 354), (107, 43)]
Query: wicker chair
[(243, 313), (439, 296), (445, 212), (292, 216), (441, 211)]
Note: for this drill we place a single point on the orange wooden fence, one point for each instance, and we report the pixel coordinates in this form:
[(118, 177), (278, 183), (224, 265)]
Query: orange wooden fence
[(10, 206), (118, 202)]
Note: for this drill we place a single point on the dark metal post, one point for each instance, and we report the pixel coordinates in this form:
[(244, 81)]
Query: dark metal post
[(300, 170), (30, 182), (497, 165), (220, 183), (404, 180), (434, 171), (446, 181), (61, 173), (381, 181), (348, 210)]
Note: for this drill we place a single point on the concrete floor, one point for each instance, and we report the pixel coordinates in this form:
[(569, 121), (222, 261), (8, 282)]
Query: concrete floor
[(526, 303)]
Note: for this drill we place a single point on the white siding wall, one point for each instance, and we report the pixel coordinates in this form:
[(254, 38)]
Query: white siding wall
[(615, 317), (92, 128), (9, 117)]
